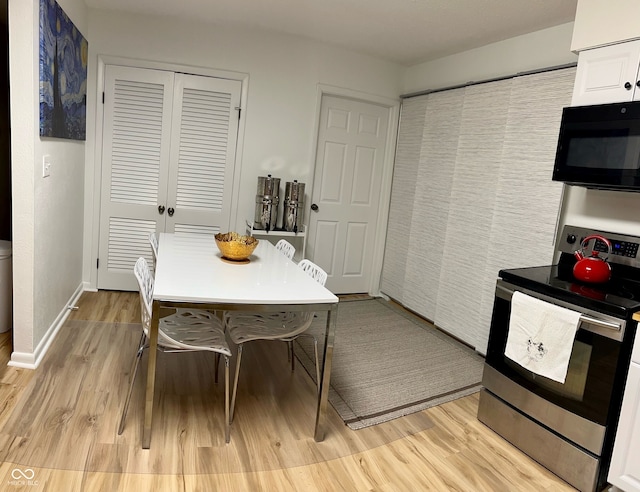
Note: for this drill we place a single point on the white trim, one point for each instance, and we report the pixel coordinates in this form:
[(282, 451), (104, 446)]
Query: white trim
[(28, 360), (86, 287), (94, 170), (387, 176)]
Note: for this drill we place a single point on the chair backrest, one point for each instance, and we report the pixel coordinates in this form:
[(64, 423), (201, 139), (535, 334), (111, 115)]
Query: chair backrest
[(145, 287), (286, 248), (314, 271), (153, 241)]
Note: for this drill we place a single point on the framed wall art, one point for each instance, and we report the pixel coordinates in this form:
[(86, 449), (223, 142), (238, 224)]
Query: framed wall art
[(63, 75)]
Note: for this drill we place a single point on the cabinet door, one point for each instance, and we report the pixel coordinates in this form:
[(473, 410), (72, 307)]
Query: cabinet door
[(625, 462), (607, 75)]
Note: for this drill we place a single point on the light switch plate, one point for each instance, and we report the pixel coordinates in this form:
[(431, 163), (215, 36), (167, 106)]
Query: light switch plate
[(46, 166)]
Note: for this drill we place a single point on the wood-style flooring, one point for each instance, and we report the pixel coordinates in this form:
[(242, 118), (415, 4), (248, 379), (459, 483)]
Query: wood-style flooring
[(58, 425)]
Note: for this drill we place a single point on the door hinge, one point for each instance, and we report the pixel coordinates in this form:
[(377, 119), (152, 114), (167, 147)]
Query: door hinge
[(239, 109), (103, 98), (97, 263)]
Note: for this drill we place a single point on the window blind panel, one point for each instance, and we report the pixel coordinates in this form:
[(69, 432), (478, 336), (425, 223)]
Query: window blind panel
[(527, 200), (203, 149), (473, 191), (403, 188), (431, 200), (136, 141), (128, 241)]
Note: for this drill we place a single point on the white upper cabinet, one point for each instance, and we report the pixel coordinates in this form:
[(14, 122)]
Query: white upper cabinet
[(608, 75)]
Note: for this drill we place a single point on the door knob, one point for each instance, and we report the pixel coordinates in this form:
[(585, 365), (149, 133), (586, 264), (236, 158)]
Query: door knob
[(170, 211), (628, 86), (638, 83), (314, 207), (160, 209)]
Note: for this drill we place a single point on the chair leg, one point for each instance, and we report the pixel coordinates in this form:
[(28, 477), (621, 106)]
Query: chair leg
[(215, 371), (134, 371), (235, 382), (292, 355), (289, 350), (227, 422)]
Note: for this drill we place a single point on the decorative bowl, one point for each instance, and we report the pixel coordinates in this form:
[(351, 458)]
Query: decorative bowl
[(235, 247)]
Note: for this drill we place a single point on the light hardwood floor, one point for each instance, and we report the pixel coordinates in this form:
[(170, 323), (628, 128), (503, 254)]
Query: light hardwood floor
[(60, 421)]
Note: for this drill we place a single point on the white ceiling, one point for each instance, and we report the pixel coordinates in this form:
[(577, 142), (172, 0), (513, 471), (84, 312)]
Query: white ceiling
[(403, 31)]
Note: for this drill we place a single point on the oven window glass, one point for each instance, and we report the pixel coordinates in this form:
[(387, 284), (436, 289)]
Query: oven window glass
[(590, 379), (576, 380)]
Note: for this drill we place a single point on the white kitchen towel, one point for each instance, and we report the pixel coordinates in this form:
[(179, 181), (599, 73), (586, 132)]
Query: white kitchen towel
[(541, 336)]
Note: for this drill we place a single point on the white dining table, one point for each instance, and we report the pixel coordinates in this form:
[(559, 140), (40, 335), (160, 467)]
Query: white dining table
[(190, 272)]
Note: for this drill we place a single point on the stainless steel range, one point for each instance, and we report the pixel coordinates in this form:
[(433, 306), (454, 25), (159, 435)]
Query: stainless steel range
[(568, 427)]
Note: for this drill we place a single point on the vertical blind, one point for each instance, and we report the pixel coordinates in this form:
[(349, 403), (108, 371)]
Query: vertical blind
[(472, 194)]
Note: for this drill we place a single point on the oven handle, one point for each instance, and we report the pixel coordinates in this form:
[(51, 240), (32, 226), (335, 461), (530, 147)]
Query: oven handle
[(505, 290), (599, 322)]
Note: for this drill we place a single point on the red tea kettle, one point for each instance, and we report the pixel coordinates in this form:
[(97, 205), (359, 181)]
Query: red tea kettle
[(593, 268)]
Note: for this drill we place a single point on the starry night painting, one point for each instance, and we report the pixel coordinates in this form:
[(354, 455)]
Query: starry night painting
[(63, 75)]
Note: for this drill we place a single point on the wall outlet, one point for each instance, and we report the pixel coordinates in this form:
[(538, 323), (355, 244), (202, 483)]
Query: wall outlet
[(46, 166)]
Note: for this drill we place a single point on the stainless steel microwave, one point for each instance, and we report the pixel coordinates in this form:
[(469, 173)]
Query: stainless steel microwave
[(599, 147)]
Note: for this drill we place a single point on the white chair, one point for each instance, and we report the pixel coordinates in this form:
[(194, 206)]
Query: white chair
[(187, 330), (244, 327), (286, 248), (153, 241)]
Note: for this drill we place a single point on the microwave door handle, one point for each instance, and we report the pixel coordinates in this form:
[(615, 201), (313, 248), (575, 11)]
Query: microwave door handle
[(599, 322)]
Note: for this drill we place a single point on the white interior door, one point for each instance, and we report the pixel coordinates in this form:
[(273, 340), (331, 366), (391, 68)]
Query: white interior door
[(352, 140), (169, 147)]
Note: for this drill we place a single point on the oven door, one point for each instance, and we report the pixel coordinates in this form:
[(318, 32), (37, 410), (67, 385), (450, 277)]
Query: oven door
[(583, 400)]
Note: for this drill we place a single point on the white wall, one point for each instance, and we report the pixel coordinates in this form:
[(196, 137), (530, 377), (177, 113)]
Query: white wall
[(284, 73), (540, 49), (599, 23), (47, 212), (23, 69)]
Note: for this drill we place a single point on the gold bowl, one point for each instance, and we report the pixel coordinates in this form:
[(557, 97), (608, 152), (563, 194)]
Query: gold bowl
[(235, 247)]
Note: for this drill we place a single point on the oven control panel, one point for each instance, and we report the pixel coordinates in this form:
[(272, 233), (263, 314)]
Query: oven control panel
[(624, 248)]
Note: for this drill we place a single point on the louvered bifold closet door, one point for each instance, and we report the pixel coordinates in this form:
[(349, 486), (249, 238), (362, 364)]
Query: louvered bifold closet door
[(135, 161), (203, 145)]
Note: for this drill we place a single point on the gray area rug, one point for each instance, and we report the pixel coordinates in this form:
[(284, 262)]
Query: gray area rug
[(388, 363)]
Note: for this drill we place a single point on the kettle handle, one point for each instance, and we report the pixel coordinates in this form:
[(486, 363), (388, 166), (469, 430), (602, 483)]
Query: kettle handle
[(584, 242)]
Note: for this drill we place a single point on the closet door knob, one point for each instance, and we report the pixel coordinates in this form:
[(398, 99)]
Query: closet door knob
[(638, 83), (170, 211), (628, 86), (314, 207), (160, 209)]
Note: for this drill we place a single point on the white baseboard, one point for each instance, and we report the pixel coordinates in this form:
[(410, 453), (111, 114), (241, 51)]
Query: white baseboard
[(87, 287), (28, 360)]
